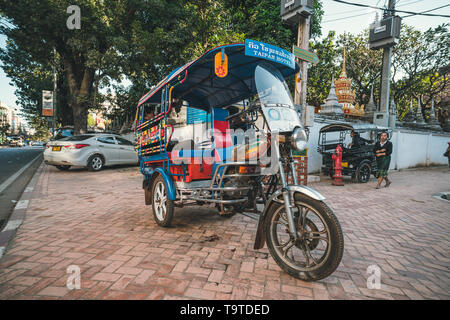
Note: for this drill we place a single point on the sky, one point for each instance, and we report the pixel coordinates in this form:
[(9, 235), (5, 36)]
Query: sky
[(347, 18), (337, 16)]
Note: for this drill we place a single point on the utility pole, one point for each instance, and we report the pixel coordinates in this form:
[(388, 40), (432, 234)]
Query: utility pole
[(55, 87), (386, 70), (302, 42)]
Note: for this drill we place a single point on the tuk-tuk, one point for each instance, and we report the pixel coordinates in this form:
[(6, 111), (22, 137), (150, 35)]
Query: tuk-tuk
[(220, 131), (358, 158)]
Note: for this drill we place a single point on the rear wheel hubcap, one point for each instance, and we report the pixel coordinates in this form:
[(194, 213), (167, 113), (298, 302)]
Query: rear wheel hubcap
[(160, 201)]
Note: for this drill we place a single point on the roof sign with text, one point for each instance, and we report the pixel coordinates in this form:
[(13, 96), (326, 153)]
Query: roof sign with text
[(269, 52)]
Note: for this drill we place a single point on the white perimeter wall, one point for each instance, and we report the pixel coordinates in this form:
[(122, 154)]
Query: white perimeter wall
[(411, 148)]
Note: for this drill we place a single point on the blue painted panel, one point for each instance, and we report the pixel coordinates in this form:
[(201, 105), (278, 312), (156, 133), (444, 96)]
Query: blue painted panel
[(195, 115)]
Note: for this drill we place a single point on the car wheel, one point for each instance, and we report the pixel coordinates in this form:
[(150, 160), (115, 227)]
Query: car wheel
[(95, 163), (63, 168)]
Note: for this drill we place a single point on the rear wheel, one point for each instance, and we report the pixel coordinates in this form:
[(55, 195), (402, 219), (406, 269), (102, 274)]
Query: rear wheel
[(363, 172), (162, 206), (319, 247), (63, 168), (95, 163)]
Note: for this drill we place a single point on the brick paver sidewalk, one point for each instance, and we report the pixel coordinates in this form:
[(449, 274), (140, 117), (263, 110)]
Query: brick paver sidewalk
[(98, 221)]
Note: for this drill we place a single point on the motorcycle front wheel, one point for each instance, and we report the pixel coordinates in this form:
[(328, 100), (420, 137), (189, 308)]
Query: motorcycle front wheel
[(320, 245)]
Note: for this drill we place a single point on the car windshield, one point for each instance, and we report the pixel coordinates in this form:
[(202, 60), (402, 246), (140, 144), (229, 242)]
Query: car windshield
[(77, 138)]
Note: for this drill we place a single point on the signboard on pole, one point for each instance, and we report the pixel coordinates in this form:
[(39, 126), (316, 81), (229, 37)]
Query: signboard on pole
[(306, 55), (269, 52), (47, 103)]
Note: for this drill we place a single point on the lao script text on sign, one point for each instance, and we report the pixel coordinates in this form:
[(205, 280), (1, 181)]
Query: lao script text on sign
[(269, 52)]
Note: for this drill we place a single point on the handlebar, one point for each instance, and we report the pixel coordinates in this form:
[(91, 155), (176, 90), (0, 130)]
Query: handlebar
[(250, 108)]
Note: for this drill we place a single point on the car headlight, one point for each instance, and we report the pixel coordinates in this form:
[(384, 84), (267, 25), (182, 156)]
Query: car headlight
[(299, 139)]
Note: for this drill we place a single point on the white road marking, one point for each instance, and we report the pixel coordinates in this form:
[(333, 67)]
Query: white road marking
[(2, 250), (11, 179), (22, 204), (13, 224)]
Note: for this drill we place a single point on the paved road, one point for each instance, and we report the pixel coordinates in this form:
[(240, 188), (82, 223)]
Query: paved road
[(12, 160), (98, 222)]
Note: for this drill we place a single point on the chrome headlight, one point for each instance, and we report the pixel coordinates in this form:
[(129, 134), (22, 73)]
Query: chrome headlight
[(299, 139)]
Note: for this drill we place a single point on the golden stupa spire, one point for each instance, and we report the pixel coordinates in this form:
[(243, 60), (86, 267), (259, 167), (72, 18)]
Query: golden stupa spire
[(343, 72)]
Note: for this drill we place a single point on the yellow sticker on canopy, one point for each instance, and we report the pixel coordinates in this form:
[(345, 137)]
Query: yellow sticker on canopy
[(221, 64)]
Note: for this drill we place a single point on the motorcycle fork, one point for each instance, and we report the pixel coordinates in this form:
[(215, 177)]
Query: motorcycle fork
[(293, 169), (286, 195)]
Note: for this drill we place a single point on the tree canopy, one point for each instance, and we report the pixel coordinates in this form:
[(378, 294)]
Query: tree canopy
[(136, 40), (125, 47), (420, 66)]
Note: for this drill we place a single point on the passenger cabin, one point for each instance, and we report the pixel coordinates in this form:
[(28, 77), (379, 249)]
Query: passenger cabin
[(181, 125)]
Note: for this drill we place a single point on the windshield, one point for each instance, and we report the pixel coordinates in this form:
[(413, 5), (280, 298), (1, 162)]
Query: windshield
[(275, 98), (76, 138), (272, 89)]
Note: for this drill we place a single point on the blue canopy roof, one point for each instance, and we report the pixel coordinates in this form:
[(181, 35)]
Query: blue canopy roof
[(203, 89)]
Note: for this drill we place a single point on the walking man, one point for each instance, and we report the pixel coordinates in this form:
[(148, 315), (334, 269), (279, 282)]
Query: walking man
[(383, 150)]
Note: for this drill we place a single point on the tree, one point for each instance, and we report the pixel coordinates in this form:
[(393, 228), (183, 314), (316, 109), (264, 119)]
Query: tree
[(40, 126), (260, 20), (91, 121), (363, 64), (30, 78), (4, 131), (320, 75), (420, 65), (104, 25)]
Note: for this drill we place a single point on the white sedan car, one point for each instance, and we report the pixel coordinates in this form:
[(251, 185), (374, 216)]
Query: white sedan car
[(93, 151)]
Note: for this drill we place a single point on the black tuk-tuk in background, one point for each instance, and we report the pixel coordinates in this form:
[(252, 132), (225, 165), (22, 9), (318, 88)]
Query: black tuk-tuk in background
[(358, 158)]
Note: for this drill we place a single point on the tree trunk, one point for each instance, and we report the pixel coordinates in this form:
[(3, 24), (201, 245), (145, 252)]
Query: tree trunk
[(79, 118), (80, 80)]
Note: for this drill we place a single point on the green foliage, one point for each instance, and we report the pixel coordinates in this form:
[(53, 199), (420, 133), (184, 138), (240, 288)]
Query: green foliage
[(421, 66), (362, 64), (40, 126), (137, 40), (30, 78), (4, 131), (104, 27), (91, 121), (319, 76)]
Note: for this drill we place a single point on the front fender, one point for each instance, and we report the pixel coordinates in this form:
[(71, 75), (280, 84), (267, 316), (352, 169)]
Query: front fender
[(149, 172), (277, 196), (310, 192)]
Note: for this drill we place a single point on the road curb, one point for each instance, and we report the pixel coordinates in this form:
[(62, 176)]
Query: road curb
[(19, 211)]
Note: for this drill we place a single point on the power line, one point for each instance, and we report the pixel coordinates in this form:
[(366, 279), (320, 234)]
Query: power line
[(343, 18), (358, 15), (427, 11), (395, 10), (360, 10)]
